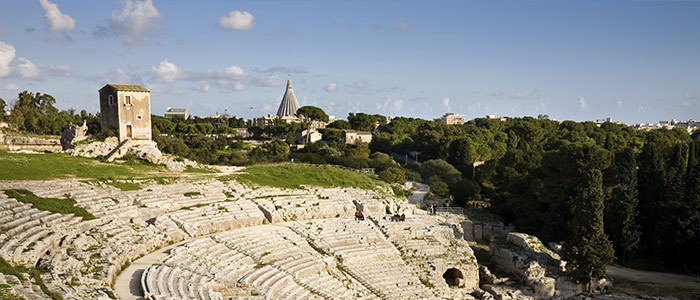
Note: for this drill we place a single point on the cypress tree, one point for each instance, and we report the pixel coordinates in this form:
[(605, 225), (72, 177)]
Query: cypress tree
[(621, 207), (587, 248)]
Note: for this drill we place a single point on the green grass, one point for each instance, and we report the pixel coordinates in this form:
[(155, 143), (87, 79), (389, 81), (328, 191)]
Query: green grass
[(62, 206), (8, 269), (294, 175), (191, 169), (192, 194), (122, 185), (21, 166)]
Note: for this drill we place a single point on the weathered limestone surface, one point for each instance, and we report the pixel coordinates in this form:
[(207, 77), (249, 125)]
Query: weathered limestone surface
[(541, 269), (312, 250), (112, 149), (31, 143)]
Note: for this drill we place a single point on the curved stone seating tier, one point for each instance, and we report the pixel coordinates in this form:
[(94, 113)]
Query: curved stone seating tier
[(21, 289), (100, 200), (304, 207), (330, 257), (429, 243), (216, 217), (26, 233), (270, 260), (367, 256), (161, 199)]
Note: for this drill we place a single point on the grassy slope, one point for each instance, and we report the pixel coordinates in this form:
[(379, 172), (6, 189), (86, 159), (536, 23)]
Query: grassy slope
[(18, 166), (293, 175)]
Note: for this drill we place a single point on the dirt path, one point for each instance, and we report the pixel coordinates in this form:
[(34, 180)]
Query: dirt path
[(654, 283)]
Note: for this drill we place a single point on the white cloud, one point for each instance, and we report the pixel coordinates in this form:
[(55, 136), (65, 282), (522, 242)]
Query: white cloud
[(360, 86), (237, 20), (389, 104), (398, 104), (269, 80), (331, 87), (59, 70), (582, 105), (135, 20), (619, 103), (57, 20), (166, 70), (204, 88), (280, 69), (27, 69), (235, 71), (10, 86), (405, 26), (533, 95), (446, 103), (7, 54)]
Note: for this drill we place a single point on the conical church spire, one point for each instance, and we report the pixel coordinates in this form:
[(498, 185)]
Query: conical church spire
[(289, 105)]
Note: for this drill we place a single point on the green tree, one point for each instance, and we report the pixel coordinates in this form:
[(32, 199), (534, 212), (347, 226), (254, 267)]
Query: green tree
[(439, 187), (573, 194), (443, 170), (393, 175), (587, 249), (277, 150), (461, 155), (2, 109), (365, 122), (621, 206), (312, 112), (339, 124)]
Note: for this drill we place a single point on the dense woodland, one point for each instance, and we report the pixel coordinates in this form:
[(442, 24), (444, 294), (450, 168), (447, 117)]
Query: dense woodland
[(609, 191)]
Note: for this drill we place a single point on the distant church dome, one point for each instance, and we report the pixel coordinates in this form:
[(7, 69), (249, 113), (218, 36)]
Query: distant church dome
[(289, 105)]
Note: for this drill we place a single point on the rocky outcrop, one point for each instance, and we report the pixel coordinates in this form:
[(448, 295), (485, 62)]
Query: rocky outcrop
[(112, 149), (73, 134), (538, 267)]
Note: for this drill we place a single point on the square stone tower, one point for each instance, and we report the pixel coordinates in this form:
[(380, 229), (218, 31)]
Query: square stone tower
[(126, 108)]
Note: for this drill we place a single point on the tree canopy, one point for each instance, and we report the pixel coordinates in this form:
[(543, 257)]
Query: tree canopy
[(312, 112)]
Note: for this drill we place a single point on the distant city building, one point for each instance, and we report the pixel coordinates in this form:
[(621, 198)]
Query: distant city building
[(303, 137), (353, 137), (289, 105), (453, 118), (176, 113), (495, 117), (690, 125), (126, 108)]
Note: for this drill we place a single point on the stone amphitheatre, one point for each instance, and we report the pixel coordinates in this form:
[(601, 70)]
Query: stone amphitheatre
[(228, 240)]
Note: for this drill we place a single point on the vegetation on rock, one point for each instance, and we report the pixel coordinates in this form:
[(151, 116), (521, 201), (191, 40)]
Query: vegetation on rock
[(66, 205)]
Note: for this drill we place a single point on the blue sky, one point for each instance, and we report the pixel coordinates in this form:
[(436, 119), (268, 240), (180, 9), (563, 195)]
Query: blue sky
[(633, 61)]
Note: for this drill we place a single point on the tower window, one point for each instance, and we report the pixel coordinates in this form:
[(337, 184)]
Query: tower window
[(127, 100), (110, 100)]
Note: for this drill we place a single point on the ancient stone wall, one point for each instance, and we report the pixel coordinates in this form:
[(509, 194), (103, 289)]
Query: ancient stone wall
[(477, 231), (41, 144)]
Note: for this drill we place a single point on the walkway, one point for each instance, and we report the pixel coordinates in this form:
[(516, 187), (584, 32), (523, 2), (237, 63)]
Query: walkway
[(654, 283), (128, 283), (419, 193)]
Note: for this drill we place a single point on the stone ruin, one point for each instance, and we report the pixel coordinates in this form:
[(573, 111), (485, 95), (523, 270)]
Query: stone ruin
[(111, 149), (234, 242), (73, 134)]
